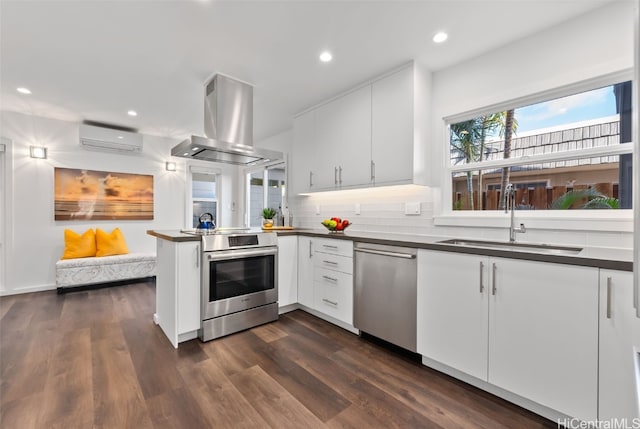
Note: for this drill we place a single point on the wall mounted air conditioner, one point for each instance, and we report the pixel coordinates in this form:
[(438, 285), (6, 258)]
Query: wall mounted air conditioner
[(109, 139)]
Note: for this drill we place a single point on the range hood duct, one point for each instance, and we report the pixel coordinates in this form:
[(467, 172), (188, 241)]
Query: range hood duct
[(228, 126)]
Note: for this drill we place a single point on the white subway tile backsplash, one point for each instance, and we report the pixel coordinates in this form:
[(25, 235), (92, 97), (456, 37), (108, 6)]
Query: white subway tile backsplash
[(382, 209)]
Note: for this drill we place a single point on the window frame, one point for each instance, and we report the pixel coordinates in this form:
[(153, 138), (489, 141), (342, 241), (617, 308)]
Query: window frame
[(265, 183), (620, 220), (189, 193)]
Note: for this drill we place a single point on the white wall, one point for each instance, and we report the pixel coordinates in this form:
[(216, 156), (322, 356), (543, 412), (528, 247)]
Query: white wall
[(595, 44), (34, 241), (280, 142)]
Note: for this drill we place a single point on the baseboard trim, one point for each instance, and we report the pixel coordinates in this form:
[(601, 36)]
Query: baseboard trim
[(67, 289), (287, 308), (534, 407), (28, 289), (330, 319)]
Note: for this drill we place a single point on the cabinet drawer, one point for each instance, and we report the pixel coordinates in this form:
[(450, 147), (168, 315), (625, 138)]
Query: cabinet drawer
[(333, 262), (333, 294), (335, 247)]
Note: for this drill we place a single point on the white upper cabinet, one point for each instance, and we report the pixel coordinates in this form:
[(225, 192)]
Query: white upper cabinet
[(303, 152), (363, 138), (353, 152), (392, 128), (343, 139)]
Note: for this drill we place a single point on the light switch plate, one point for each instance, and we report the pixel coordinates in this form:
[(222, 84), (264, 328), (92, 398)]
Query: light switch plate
[(357, 209), (317, 209), (412, 208)]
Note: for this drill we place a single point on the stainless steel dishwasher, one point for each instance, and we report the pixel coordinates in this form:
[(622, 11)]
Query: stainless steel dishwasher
[(385, 293)]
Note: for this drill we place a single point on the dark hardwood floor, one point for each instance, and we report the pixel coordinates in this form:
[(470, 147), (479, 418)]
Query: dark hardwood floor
[(96, 359)]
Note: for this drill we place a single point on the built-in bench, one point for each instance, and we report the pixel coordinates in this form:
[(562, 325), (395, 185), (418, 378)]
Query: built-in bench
[(94, 272)]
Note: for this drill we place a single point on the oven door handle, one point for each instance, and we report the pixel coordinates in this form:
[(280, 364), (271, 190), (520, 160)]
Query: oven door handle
[(240, 253)]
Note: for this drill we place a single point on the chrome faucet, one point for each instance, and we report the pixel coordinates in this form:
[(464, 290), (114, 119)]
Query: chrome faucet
[(509, 204)]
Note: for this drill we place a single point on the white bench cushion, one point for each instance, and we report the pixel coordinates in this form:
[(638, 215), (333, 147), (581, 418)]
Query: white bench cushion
[(84, 271)]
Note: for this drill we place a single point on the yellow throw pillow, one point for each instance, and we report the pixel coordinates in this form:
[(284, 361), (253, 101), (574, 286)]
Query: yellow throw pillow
[(79, 246), (110, 244)]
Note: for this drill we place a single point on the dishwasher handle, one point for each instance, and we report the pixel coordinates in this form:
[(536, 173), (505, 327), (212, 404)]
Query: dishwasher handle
[(386, 253)]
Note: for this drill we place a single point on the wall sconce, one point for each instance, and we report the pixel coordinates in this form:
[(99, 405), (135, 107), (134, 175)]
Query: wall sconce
[(170, 166), (39, 152)]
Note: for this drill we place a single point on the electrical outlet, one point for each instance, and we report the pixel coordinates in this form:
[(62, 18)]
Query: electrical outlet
[(412, 208), (317, 209)]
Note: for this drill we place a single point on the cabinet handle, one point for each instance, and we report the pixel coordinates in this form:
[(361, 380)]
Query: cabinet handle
[(481, 272), (608, 297), (197, 256), (328, 246), (329, 302), (330, 278), (330, 262), (373, 171), (340, 175), (310, 246), (386, 253), (335, 176), (493, 280), (310, 179)]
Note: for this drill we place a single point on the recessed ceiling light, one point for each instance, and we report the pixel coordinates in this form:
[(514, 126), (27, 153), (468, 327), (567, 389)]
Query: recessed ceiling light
[(326, 56), (132, 113), (22, 90), (195, 148), (120, 137), (186, 153), (440, 37)]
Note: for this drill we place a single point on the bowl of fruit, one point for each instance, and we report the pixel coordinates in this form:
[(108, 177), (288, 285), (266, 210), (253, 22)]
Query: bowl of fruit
[(335, 224)]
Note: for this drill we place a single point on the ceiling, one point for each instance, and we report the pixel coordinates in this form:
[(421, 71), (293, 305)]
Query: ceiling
[(95, 60)]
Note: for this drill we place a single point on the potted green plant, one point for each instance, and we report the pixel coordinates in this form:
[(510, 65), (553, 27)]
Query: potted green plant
[(267, 217)]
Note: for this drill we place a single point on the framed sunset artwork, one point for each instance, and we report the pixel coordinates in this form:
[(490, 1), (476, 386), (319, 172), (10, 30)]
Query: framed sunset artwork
[(102, 195)]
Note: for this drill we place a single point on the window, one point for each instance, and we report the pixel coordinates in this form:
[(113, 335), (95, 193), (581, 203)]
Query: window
[(572, 152), (265, 188), (204, 196)]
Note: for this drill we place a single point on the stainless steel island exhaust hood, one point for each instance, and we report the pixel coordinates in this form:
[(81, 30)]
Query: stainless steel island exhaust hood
[(228, 125)]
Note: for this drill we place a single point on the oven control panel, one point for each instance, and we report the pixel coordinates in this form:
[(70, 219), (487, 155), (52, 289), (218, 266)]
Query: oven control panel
[(243, 240), (219, 242)]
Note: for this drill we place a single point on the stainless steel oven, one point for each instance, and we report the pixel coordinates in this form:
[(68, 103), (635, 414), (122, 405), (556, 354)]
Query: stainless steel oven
[(239, 282)]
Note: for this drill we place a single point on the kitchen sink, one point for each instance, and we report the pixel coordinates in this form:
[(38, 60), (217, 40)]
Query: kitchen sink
[(524, 247)]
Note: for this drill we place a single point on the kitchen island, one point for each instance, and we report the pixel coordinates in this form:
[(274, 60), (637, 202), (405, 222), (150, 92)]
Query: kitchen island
[(177, 285), (215, 284)]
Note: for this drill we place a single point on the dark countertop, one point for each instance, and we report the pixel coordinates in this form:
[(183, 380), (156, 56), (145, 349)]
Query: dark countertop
[(599, 257), (173, 235)]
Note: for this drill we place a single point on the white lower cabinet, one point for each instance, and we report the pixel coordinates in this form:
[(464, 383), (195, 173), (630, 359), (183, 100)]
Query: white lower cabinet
[(530, 328), (333, 278), (617, 394), (543, 334), (178, 289), (305, 271), (287, 271), (325, 276), (452, 310), (333, 294)]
